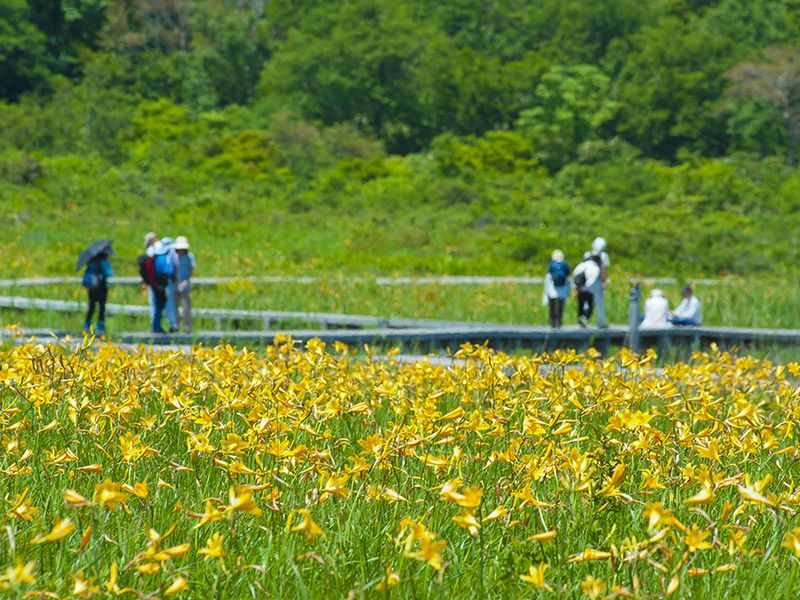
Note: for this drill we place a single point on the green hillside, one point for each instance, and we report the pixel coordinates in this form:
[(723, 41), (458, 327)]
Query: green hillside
[(409, 137)]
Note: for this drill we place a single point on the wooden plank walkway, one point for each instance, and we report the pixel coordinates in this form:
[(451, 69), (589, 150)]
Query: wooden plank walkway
[(500, 337), (504, 337)]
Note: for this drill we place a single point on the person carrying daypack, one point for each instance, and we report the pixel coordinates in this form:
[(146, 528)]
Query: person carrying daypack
[(156, 272), (556, 287), (95, 280), (147, 270), (584, 277), (600, 258)]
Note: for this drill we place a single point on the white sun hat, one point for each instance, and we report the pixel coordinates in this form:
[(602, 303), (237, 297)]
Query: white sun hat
[(181, 243)]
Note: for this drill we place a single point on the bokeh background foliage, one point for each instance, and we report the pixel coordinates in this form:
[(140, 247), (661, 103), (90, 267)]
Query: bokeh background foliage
[(414, 136)]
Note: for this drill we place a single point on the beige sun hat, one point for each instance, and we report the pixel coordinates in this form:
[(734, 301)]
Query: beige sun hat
[(181, 243)]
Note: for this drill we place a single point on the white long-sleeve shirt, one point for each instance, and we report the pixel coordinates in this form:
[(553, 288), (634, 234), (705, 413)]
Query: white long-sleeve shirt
[(689, 309), (656, 313)]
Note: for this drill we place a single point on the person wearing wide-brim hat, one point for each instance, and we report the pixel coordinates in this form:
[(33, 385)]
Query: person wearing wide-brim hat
[(170, 309), (183, 289)]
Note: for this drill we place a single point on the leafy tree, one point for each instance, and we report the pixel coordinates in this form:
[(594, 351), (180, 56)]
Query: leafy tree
[(776, 80), (70, 26), (572, 106), (357, 67), (162, 25), (22, 51)]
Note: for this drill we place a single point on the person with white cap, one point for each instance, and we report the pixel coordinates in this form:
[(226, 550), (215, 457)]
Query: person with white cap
[(598, 287), (656, 311), (584, 277), (556, 287), (183, 289)]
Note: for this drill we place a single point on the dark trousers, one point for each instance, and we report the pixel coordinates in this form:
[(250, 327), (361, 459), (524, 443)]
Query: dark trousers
[(556, 312), (585, 304), (160, 297), (97, 297)]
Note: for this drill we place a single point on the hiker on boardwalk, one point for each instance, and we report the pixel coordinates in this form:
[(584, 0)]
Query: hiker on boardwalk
[(156, 270), (183, 288), (688, 311), (584, 277), (95, 280), (150, 238), (170, 309), (598, 288), (556, 287), (656, 311)]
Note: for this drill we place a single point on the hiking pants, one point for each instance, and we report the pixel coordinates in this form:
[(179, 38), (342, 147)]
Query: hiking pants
[(183, 301), (97, 297), (159, 301), (556, 312), (169, 308), (585, 304)]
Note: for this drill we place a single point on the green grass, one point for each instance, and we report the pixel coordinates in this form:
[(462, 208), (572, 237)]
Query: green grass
[(734, 305)]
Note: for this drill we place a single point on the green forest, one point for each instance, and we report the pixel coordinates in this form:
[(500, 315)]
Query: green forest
[(403, 136)]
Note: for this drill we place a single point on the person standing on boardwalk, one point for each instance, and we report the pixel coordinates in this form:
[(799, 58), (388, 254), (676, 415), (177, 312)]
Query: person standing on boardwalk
[(150, 238), (584, 277), (183, 289), (556, 287), (598, 288), (170, 309), (162, 272), (95, 280)]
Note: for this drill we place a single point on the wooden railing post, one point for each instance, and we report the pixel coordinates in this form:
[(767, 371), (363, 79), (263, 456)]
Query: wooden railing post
[(633, 316)]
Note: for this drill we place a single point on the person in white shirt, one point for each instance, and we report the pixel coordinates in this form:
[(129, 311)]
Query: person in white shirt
[(586, 278), (598, 289), (656, 311), (688, 311)]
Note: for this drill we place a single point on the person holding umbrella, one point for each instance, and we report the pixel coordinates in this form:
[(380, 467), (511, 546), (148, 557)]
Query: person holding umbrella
[(95, 280)]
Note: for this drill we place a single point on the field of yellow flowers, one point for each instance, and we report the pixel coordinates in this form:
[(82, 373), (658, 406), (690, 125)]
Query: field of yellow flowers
[(323, 472)]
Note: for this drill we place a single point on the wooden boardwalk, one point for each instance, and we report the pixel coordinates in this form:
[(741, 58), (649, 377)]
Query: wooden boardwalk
[(499, 337)]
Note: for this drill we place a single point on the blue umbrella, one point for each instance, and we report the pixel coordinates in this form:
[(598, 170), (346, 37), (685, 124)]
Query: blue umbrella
[(97, 248)]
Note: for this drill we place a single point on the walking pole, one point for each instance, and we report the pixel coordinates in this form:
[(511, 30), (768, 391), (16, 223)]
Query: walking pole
[(633, 317)]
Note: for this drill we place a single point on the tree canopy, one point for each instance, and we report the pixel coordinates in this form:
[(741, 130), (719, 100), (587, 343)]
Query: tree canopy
[(524, 112)]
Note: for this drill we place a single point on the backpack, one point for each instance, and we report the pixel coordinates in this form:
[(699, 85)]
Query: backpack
[(559, 272), (579, 279), (164, 270), (147, 269), (94, 278)]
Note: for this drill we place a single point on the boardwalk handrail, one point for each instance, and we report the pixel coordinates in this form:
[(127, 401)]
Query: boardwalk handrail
[(380, 281), (220, 314)]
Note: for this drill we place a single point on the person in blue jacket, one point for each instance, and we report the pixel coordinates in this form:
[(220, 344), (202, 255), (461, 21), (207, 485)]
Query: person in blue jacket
[(95, 280)]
